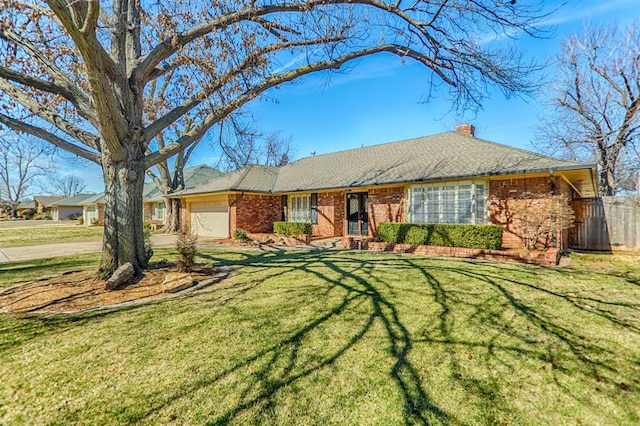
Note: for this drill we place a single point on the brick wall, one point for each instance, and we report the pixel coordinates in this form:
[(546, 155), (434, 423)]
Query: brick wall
[(331, 214), (504, 193), (385, 205), (254, 213)]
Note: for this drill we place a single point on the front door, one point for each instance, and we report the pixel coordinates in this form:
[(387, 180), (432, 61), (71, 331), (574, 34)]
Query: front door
[(357, 217)]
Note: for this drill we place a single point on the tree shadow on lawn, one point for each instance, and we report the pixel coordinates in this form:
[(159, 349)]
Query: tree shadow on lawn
[(545, 338), (512, 307)]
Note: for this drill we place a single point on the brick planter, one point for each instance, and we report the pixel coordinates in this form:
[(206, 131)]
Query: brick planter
[(550, 257)]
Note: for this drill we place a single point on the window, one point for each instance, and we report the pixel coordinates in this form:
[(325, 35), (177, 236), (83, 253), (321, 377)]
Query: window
[(159, 211), (448, 202), (302, 208)]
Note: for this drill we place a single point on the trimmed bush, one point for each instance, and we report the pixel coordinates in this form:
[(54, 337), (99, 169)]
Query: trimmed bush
[(447, 235), (292, 229)]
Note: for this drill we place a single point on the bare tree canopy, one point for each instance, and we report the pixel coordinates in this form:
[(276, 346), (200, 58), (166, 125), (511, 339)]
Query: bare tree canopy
[(68, 186), (595, 114), (79, 74), (242, 143), (22, 163)]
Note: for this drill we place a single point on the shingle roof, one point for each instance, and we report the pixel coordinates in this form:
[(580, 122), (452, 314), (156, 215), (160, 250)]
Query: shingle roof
[(46, 200), (443, 156), (75, 201), (94, 199), (193, 176), (253, 178)]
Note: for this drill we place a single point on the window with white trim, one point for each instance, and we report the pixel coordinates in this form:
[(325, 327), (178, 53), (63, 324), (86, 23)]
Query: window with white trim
[(302, 208), (449, 202), (159, 211)]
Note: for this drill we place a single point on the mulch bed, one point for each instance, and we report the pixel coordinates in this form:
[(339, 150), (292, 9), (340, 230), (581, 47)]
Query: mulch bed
[(79, 290)]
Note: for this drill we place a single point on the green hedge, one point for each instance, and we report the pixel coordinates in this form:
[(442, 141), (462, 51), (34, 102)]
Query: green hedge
[(447, 235), (292, 229)]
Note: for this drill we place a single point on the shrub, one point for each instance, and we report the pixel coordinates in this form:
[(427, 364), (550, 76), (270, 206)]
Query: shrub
[(292, 229), (28, 213), (80, 220), (94, 221), (447, 235), (241, 235), (186, 245), (148, 248), (541, 217)]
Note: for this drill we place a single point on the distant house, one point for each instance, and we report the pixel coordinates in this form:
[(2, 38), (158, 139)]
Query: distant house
[(70, 207), (452, 177), (43, 203), (154, 204), (93, 209), (23, 207)]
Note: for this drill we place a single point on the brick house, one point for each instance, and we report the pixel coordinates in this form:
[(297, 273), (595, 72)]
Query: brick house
[(451, 177), (154, 204)]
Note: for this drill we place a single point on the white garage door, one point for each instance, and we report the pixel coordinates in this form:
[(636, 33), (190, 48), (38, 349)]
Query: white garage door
[(89, 214), (210, 219)]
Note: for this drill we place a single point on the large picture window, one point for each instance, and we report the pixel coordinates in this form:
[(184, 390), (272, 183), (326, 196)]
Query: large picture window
[(448, 202), (302, 208)]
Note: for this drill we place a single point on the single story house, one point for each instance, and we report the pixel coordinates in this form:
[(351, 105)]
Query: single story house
[(44, 203), (24, 206), (451, 177), (69, 208), (154, 204), (93, 210)]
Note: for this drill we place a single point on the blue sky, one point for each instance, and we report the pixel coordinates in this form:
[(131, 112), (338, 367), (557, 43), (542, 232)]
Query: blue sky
[(381, 100)]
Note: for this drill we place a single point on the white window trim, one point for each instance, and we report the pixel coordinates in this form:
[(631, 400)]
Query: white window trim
[(475, 219), (156, 210), (299, 208)]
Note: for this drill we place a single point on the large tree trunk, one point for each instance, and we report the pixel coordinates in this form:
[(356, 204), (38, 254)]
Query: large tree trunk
[(172, 224), (123, 223)]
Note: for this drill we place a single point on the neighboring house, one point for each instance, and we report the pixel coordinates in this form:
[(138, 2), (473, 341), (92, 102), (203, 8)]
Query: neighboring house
[(23, 207), (93, 210), (451, 177), (154, 204), (69, 208), (44, 203)]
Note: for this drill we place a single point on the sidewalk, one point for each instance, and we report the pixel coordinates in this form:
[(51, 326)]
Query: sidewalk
[(44, 251)]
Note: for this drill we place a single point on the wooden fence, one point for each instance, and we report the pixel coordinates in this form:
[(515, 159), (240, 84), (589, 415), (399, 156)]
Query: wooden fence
[(606, 223)]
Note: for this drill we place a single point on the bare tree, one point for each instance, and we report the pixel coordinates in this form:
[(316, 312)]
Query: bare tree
[(68, 186), (595, 104), (78, 74), (22, 163), (242, 144)]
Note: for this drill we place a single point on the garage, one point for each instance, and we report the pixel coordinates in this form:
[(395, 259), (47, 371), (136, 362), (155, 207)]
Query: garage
[(210, 218)]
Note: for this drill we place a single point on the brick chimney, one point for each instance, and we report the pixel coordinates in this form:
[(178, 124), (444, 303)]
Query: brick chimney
[(466, 129)]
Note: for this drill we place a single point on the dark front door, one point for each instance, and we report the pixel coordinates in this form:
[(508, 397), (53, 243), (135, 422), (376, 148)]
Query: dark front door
[(357, 218)]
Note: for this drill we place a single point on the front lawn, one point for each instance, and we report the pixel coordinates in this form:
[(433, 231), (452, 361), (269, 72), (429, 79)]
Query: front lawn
[(342, 338), (26, 236)]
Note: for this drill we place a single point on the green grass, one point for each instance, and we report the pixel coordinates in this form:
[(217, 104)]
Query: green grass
[(11, 237), (342, 338)]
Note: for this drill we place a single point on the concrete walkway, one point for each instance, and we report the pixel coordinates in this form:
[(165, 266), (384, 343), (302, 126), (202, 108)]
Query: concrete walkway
[(45, 251)]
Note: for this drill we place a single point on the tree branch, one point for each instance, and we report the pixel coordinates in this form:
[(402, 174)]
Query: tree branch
[(19, 126), (51, 117), (275, 80)]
